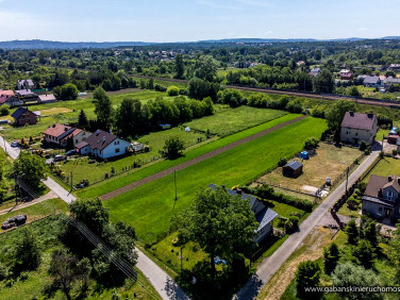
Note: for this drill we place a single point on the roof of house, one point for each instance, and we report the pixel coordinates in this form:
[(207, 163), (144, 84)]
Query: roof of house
[(47, 97), (377, 183), (7, 92), (294, 165), (4, 98), (358, 121), (392, 80), (265, 216), (371, 80), (73, 133), (26, 92), (100, 139), (56, 130), (19, 112), (81, 145)]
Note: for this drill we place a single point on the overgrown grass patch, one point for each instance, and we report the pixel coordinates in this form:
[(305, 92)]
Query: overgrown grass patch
[(229, 121)]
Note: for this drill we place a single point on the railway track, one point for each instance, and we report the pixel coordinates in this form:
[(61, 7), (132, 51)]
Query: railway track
[(375, 102)]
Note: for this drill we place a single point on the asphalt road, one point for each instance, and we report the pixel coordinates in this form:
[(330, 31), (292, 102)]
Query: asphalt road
[(272, 264), (13, 152)]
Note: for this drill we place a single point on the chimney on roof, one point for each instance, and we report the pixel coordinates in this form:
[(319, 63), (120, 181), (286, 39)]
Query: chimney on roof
[(390, 178), (223, 186), (239, 191), (351, 113), (370, 115), (54, 125), (65, 128)]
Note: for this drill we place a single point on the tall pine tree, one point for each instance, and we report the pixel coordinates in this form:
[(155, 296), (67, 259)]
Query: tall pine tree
[(82, 120)]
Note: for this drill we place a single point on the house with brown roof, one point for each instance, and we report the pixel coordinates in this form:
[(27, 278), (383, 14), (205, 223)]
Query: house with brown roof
[(381, 197), (59, 134), (103, 144), (358, 127), (24, 116)]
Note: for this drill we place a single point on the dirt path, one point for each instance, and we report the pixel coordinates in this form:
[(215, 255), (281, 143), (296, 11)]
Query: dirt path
[(194, 161), (313, 246), (49, 195)]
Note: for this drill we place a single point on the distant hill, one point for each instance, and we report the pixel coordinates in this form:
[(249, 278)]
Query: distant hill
[(42, 44)]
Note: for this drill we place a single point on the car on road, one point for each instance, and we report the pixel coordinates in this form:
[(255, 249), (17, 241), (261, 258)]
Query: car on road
[(59, 158), (14, 144)]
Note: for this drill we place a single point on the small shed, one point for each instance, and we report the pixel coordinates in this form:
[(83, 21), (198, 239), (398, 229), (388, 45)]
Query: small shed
[(292, 169), (137, 147), (392, 139), (304, 155)]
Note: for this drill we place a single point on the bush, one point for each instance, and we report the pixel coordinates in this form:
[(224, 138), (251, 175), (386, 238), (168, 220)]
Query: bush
[(4, 110), (173, 147), (292, 224), (311, 143), (394, 152), (173, 91), (282, 161), (363, 146)]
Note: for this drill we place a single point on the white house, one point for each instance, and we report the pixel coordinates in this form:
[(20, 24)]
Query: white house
[(104, 145), (264, 215), (358, 127), (25, 84)]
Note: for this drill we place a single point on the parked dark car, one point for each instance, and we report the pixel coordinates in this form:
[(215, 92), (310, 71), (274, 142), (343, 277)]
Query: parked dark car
[(70, 152)]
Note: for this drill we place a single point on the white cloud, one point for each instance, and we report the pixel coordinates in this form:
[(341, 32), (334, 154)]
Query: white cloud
[(362, 29), (255, 3), (269, 32)]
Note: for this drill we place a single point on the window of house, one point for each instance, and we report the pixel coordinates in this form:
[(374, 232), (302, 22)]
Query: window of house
[(380, 209), (356, 133), (76, 141), (117, 150), (390, 195)]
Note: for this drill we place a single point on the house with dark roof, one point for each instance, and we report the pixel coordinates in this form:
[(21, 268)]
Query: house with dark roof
[(24, 116), (59, 134), (358, 127), (26, 95), (292, 169), (264, 215), (370, 81), (103, 145), (381, 198)]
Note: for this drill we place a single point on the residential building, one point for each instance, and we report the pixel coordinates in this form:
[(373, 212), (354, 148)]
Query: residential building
[(358, 127), (24, 116), (387, 82), (103, 145), (25, 84), (370, 81), (381, 197), (394, 67), (346, 74), (26, 95), (314, 72), (264, 215), (8, 97), (47, 98), (59, 134)]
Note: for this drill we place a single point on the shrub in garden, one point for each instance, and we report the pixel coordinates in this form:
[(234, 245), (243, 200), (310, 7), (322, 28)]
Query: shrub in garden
[(282, 161), (173, 91), (292, 224)]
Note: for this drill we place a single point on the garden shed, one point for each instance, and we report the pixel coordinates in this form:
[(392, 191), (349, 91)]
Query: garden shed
[(304, 155), (292, 169)]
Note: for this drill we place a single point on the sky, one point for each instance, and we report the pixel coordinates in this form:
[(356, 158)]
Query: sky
[(193, 20)]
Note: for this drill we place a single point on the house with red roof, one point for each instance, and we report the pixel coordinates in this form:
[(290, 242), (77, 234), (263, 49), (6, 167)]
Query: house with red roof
[(358, 127), (59, 134), (8, 97)]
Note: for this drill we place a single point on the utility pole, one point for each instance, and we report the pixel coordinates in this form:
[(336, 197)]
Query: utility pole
[(347, 178), (72, 186), (176, 188)]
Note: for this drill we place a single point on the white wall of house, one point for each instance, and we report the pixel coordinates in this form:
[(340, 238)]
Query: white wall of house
[(81, 137), (263, 232), (116, 148), (350, 135), (85, 150), (14, 101)]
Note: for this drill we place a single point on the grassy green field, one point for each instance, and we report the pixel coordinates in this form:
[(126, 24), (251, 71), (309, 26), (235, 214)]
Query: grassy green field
[(33, 286), (81, 169), (119, 181), (387, 166), (68, 111), (150, 207), (229, 121)]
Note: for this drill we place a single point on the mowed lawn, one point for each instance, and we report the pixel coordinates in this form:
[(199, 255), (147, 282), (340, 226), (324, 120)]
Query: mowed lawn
[(329, 161), (229, 121), (68, 111), (149, 208), (120, 181), (387, 166), (81, 169)]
